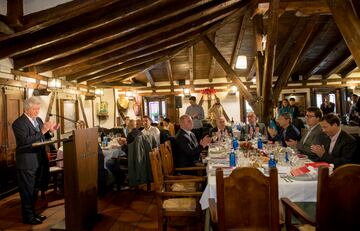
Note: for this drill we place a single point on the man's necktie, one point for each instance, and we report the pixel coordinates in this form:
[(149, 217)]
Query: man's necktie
[(193, 138), (36, 125)]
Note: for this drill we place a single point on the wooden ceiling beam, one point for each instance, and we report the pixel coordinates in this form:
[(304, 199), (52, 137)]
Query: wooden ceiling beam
[(182, 22), (104, 49), (238, 41), (229, 71), (15, 13), (269, 61), (286, 48), (258, 61), (83, 60), (301, 7), (149, 78), (105, 18), (351, 67), (295, 55), (170, 74), (252, 71), (348, 24), (211, 72), (245, 5), (42, 19), (100, 66), (124, 64), (6, 29), (191, 64), (323, 58), (340, 64)]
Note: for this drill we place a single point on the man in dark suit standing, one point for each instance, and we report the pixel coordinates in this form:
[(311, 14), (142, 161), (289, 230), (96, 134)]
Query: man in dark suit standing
[(28, 129), (342, 147), (187, 149)]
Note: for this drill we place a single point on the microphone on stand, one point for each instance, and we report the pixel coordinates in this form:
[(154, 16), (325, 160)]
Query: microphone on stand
[(71, 120)]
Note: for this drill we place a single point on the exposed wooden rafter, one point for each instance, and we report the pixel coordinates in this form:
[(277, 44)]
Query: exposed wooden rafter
[(295, 54), (239, 38), (15, 13), (212, 37), (348, 24), (176, 24), (333, 47), (269, 60), (95, 22), (191, 65), (229, 71), (341, 64), (170, 74)]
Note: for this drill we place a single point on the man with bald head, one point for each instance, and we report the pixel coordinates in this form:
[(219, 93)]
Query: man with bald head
[(221, 130), (253, 128), (187, 148)]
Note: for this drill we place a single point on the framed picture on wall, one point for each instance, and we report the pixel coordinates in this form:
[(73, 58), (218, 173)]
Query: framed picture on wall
[(68, 109), (300, 101)]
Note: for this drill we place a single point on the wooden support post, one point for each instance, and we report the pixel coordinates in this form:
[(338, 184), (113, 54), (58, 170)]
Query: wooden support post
[(348, 24), (82, 110), (269, 61), (51, 102), (15, 13)]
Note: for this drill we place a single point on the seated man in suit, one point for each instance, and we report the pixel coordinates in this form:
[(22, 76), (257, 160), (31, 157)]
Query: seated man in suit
[(253, 128), (314, 135), (288, 131), (342, 147), (221, 130), (187, 149)]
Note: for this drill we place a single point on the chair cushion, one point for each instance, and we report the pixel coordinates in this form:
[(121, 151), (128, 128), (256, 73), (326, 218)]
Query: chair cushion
[(180, 204), (184, 187), (54, 169), (306, 227)]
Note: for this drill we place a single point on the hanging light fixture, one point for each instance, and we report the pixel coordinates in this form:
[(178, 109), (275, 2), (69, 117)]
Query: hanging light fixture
[(129, 95), (241, 62), (54, 83), (99, 91), (232, 90), (186, 92)]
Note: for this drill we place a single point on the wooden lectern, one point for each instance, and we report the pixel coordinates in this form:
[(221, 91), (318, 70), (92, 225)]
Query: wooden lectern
[(80, 175)]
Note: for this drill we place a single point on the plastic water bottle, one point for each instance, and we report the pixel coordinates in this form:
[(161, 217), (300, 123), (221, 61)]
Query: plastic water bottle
[(105, 141), (259, 143), (272, 161), (235, 143), (286, 157), (232, 158)]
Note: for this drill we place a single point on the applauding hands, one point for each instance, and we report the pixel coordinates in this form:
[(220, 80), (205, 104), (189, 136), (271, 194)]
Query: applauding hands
[(49, 126)]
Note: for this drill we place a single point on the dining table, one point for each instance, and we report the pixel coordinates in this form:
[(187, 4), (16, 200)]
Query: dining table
[(297, 189)]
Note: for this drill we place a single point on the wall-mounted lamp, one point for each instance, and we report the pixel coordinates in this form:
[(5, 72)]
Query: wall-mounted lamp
[(129, 95), (99, 91), (232, 90), (241, 62), (186, 92), (54, 83)]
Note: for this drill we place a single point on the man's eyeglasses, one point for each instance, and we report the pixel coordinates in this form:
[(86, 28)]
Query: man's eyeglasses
[(309, 116)]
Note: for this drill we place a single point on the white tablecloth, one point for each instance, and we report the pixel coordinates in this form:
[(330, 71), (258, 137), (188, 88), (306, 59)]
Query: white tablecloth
[(296, 191)]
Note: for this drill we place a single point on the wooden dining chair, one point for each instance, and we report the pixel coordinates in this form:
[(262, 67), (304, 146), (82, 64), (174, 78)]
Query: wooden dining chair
[(173, 203), (246, 200), (338, 202), (168, 163)]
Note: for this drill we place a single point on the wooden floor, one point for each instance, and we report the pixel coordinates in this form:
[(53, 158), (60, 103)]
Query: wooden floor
[(124, 210)]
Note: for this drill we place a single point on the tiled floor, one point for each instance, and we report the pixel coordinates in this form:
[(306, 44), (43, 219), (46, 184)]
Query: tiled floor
[(125, 210)]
